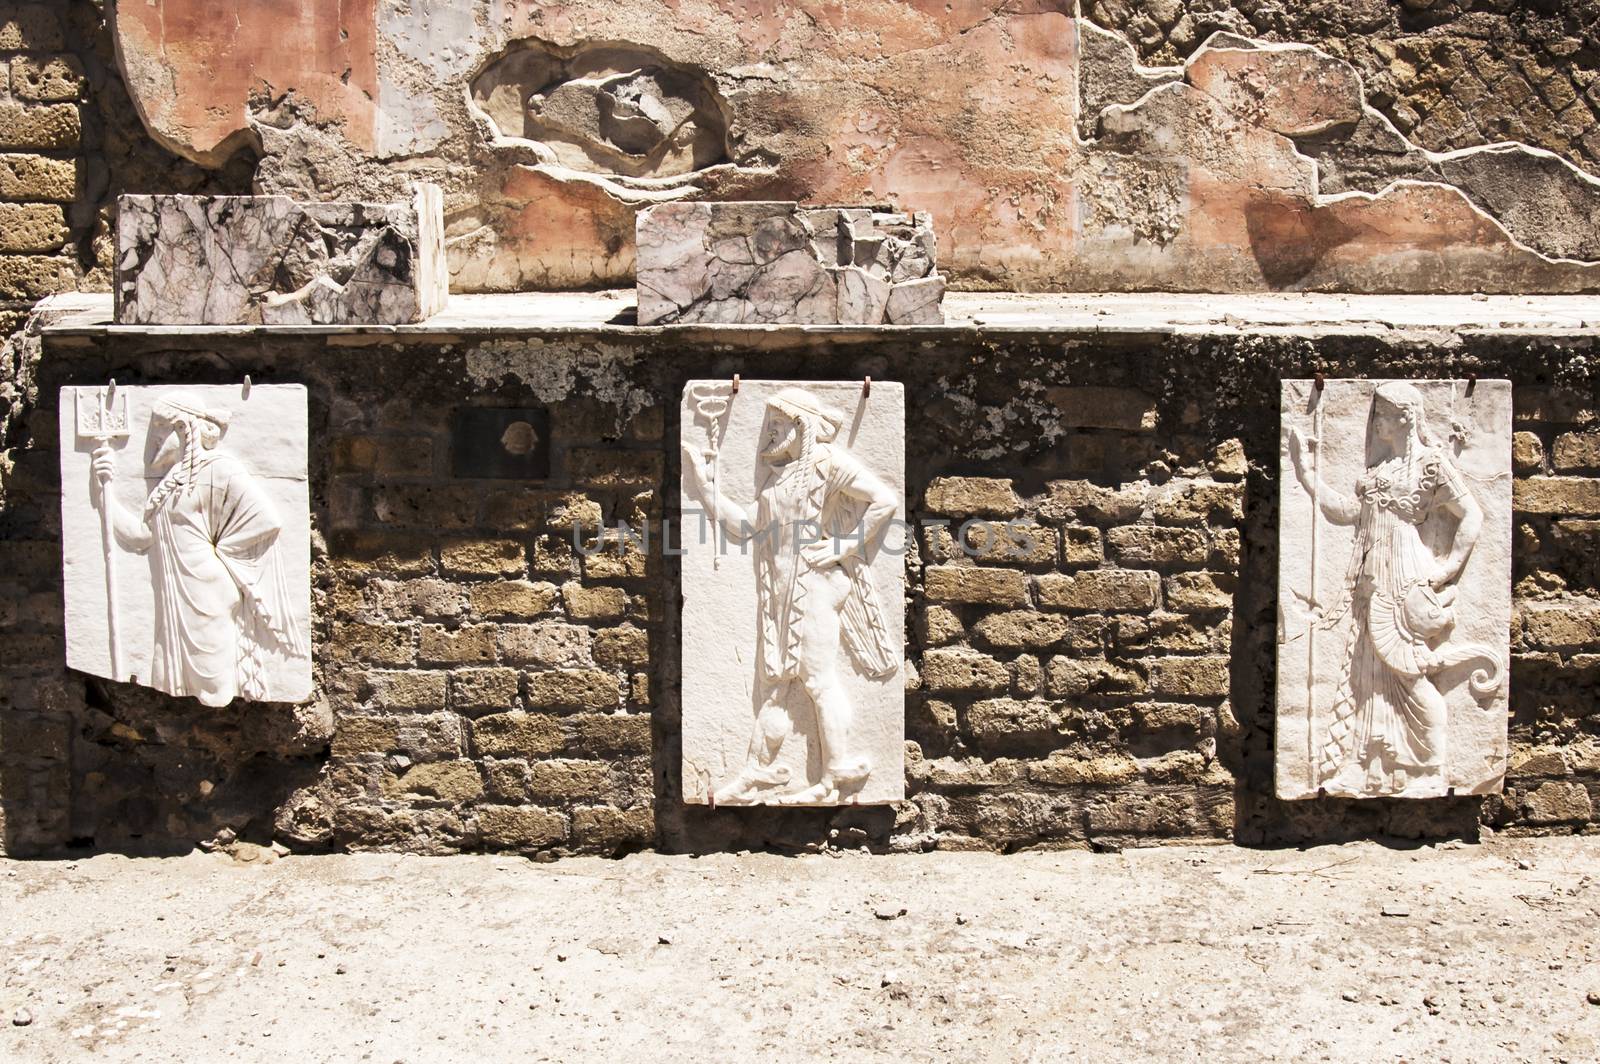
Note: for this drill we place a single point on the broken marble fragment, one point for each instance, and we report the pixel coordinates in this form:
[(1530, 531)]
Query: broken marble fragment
[(269, 260), (780, 263)]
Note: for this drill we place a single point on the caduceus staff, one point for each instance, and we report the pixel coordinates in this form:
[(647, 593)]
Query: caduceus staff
[(711, 405), (105, 418)]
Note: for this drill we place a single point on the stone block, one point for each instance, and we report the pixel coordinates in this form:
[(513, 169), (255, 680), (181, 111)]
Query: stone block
[(428, 506), (609, 468), (383, 554), (1153, 545), (33, 277), (548, 643), (1070, 676), (287, 263), (996, 722), (614, 562), (470, 645), (979, 586), (1556, 495), (1082, 545), (1572, 624), (604, 829), (38, 178), (404, 690), (610, 733), (430, 737), (1083, 500), (566, 780), (940, 625), (1194, 721), (1030, 629), (1100, 590), (520, 828), (32, 227), (574, 689), (46, 79), (516, 599), (1206, 676), (408, 455), (1574, 452), (1558, 803), (482, 557), (972, 497), (422, 597), (1199, 592), (1228, 461), (357, 736), (1092, 407), (375, 644), (594, 604), (620, 647), (780, 263), (487, 688), (961, 669), (1527, 452), (50, 127), (445, 781), (1197, 502), (29, 27), (1062, 770), (526, 735)]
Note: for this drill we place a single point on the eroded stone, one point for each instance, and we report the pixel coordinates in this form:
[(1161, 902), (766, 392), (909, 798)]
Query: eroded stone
[(753, 263), (226, 260)]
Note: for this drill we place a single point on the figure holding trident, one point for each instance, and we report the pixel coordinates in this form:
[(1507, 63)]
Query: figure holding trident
[(222, 605), (819, 512)]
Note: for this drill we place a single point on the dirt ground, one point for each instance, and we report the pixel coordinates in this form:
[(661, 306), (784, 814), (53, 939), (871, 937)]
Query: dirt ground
[(1350, 953)]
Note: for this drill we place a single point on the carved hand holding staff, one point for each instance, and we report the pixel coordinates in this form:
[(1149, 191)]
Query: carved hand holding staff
[(103, 418)]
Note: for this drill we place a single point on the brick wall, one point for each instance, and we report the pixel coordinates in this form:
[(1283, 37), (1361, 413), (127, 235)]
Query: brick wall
[(1101, 677), (42, 88)]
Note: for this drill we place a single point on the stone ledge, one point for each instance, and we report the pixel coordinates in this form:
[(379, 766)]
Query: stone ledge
[(1199, 314)]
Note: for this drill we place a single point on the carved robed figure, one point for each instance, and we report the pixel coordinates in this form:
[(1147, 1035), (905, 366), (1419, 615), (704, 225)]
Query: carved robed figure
[(1381, 639), (221, 618), (818, 519)]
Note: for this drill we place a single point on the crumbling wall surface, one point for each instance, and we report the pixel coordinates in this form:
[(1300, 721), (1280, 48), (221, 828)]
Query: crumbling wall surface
[(70, 143), (1448, 73), (1101, 678), (1049, 157)]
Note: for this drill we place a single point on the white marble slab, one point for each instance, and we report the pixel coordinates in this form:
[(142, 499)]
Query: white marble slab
[(196, 580), (793, 657), (1394, 588)]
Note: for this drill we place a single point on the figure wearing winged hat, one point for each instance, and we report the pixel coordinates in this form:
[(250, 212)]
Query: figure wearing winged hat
[(819, 511), (222, 602)]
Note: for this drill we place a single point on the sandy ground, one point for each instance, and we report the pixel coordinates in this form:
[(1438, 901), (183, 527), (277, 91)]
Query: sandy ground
[(1353, 953)]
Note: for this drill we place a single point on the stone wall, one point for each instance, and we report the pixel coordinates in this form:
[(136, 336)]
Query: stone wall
[(70, 143), (1448, 73), (1103, 680)]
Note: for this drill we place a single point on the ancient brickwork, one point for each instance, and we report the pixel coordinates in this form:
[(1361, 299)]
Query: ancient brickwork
[(70, 142), (1074, 668), (490, 681), (1095, 670), (1449, 73), (42, 86)]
